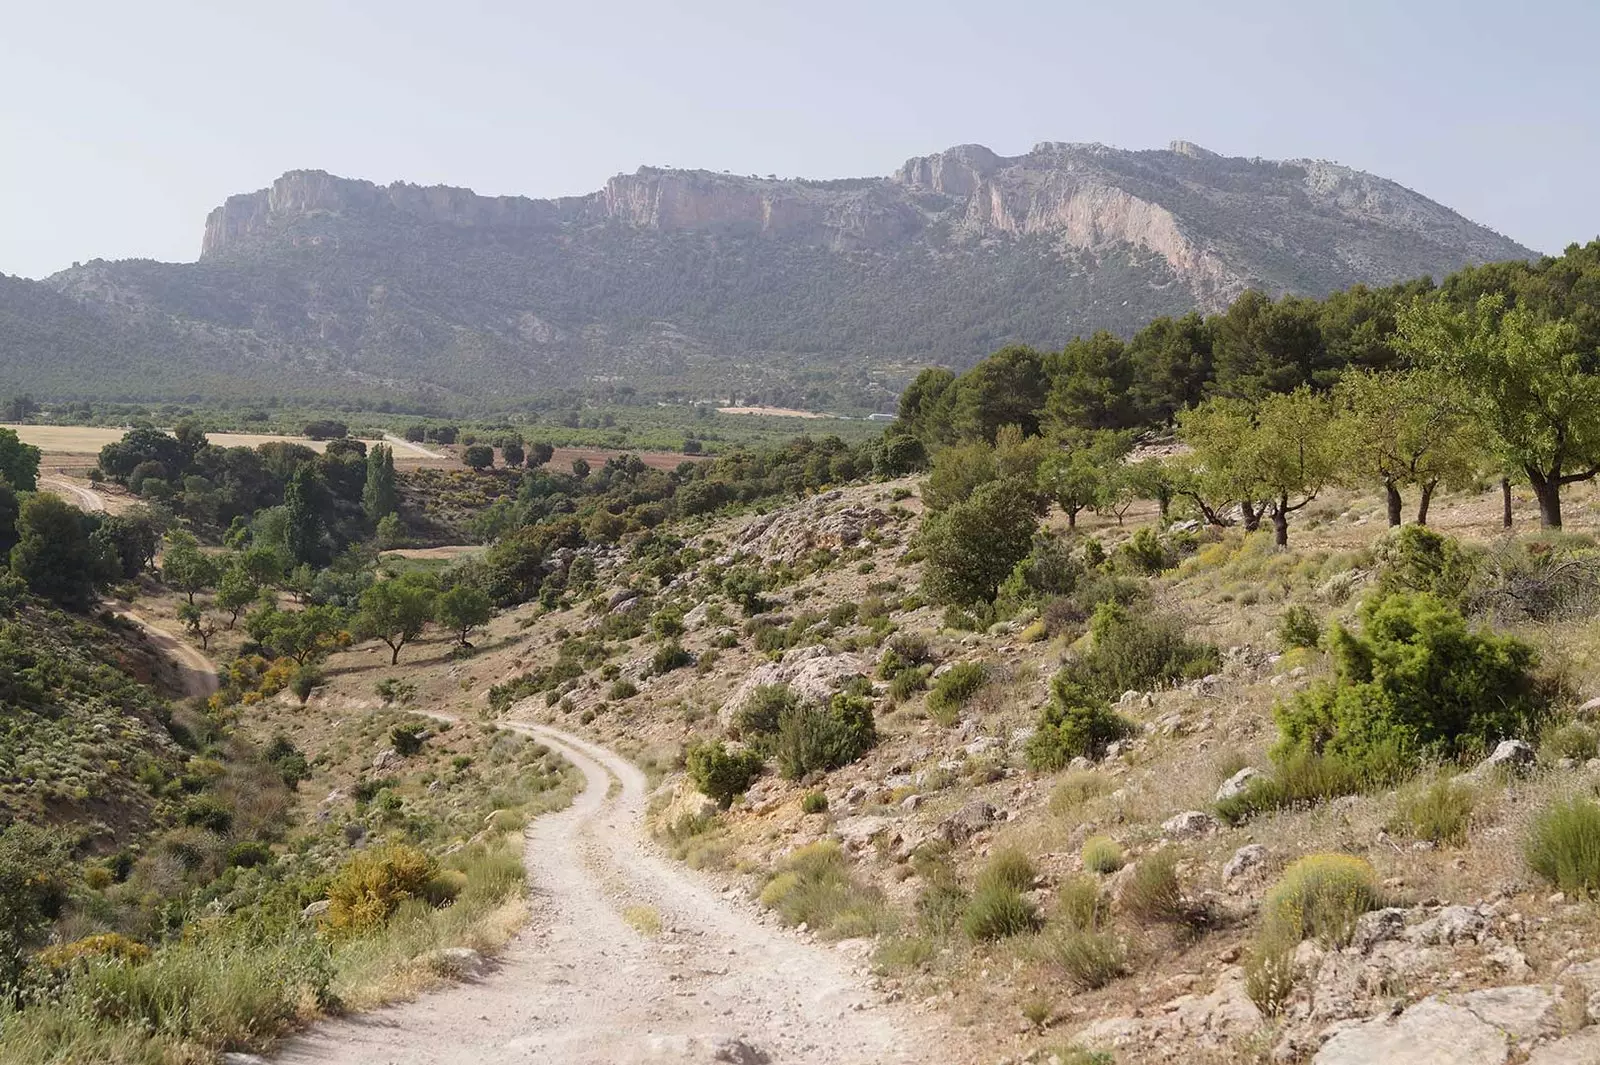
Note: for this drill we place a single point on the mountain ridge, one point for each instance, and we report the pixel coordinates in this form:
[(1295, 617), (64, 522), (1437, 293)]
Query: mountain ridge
[(696, 282)]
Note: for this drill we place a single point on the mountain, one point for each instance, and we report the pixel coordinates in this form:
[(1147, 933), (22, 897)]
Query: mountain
[(697, 283)]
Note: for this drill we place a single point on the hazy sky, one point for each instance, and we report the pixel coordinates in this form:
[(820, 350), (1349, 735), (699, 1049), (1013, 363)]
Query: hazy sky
[(123, 123)]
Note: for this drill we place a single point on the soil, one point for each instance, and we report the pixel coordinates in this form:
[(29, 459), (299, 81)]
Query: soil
[(584, 985)]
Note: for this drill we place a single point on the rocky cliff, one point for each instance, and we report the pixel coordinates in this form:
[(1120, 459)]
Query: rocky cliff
[(699, 280)]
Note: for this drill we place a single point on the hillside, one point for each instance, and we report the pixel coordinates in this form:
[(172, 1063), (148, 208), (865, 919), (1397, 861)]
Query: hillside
[(692, 283)]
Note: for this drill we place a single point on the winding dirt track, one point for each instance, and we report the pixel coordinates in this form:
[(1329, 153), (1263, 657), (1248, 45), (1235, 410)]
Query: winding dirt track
[(581, 986)]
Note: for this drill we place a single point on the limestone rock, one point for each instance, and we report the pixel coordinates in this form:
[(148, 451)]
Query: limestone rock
[(1582, 1048), (1430, 1033), (386, 759), (1451, 925), (315, 910), (1250, 856), (814, 673), (458, 962), (1189, 823), (1237, 784), (1524, 1013), (1512, 755), (968, 821), (738, 1052)]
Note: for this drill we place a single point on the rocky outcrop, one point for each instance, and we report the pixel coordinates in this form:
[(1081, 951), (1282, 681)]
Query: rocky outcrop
[(814, 673)]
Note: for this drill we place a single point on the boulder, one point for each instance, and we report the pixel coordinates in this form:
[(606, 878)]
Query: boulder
[(386, 759), (1450, 926), (814, 673), (1525, 1013), (1189, 823), (1511, 755), (857, 833), (1237, 784), (1430, 1033), (967, 821), (1250, 856), (315, 910), (458, 962), (1583, 1048), (1378, 926), (737, 1051)]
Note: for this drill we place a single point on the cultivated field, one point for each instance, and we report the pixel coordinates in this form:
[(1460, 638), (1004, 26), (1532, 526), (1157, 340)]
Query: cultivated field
[(89, 439)]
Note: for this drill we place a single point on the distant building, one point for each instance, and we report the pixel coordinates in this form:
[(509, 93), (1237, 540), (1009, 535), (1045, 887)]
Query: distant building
[(882, 417)]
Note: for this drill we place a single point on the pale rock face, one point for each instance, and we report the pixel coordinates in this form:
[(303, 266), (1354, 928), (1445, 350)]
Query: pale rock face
[(812, 672), (1429, 1033)]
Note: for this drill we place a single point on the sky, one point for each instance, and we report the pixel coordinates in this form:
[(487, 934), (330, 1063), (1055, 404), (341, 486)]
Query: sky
[(122, 124)]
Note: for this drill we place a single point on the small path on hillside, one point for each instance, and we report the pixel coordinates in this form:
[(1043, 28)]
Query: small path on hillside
[(199, 674), (400, 443), (85, 498), (580, 986)]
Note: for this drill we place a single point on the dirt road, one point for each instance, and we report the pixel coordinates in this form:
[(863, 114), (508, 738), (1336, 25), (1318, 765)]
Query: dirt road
[(197, 674), (581, 986), (83, 498)]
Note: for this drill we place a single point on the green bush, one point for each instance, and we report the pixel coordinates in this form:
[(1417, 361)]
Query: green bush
[(721, 774), (1146, 552), (1101, 854), (369, 888), (621, 690), (1076, 788), (1417, 559), (306, 679), (1152, 892), (814, 887), (908, 682), (954, 687), (1563, 845), (822, 738), (1415, 683), (1088, 959), (1299, 627), (814, 802), (997, 911), (204, 811), (1440, 813), (941, 905), (1081, 905), (1076, 722), (1137, 650), (407, 739), (1301, 778), (36, 879), (1008, 867), (758, 719), (670, 656), (1320, 896), (1575, 740)]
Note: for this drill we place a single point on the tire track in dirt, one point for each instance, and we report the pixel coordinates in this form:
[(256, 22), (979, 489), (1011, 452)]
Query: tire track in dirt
[(581, 986)]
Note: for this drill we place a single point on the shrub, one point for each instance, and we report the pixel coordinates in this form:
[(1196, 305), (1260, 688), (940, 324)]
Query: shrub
[(1138, 650), (908, 682), (1270, 976), (1081, 905), (997, 911), (1417, 559), (1301, 778), (306, 679), (1415, 683), (721, 774), (1299, 627), (1574, 740), (1320, 896), (1146, 553), (971, 547), (1075, 723), (813, 886), (814, 802), (670, 656), (905, 651), (941, 905), (407, 739), (1563, 845), (208, 813), (1076, 788), (622, 689), (1101, 854), (247, 854), (759, 716), (1440, 813), (817, 738), (89, 948), (1088, 959), (369, 888), (954, 687), (1008, 867), (1152, 892)]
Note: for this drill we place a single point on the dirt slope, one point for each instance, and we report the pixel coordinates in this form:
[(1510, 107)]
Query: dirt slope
[(584, 985)]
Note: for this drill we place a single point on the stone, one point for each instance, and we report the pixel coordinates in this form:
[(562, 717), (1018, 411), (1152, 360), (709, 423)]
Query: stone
[(1250, 856), (1378, 926), (1451, 925), (966, 822), (1512, 755), (737, 1051), (1583, 1048), (856, 833), (814, 674), (627, 595), (1524, 1013), (386, 759), (458, 962), (315, 910), (1430, 1033), (233, 1057), (1589, 706), (686, 806), (1237, 784), (1189, 823)]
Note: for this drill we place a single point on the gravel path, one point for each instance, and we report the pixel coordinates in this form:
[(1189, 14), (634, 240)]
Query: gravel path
[(581, 986)]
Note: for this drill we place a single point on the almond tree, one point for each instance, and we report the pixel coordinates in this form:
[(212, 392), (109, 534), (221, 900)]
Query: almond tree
[(1526, 379), (1404, 429)]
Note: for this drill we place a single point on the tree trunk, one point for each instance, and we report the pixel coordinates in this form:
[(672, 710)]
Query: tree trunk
[(1072, 519), (1280, 522), (1393, 492), (1548, 491), (1424, 501), (1252, 516), (394, 653), (1164, 502), (1505, 501)]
